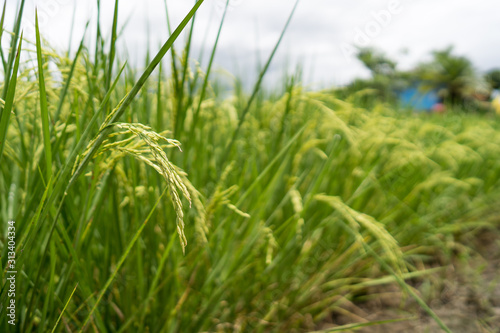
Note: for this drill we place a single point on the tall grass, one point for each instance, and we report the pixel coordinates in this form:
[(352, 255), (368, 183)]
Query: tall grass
[(286, 208)]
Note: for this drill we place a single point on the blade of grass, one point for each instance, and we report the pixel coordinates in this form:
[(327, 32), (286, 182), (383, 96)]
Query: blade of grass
[(121, 261), (159, 102), (350, 327), (98, 40), (112, 47), (256, 89), (181, 109), (64, 91), (13, 42), (175, 71), (64, 309), (9, 102), (4, 63), (209, 69), (50, 287), (72, 29), (268, 168), (43, 103)]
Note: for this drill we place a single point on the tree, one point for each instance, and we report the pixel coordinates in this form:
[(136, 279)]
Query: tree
[(493, 78), (453, 75)]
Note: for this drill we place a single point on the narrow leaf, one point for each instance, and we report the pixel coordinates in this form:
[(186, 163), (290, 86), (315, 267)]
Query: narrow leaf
[(9, 101), (43, 103)]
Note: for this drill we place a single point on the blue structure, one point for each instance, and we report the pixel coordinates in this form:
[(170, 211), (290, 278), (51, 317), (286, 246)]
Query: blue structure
[(419, 99)]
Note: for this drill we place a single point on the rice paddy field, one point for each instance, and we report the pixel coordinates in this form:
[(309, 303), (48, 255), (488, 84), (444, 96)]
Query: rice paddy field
[(148, 200)]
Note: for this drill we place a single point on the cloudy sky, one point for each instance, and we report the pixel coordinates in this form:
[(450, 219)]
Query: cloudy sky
[(320, 37)]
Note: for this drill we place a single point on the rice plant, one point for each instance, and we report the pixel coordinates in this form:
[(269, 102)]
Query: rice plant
[(286, 207)]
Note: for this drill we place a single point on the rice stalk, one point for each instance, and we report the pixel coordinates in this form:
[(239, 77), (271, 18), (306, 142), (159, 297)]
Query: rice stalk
[(144, 144)]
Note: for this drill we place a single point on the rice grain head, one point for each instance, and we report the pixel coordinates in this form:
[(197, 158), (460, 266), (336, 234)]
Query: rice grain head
[(143, 143)]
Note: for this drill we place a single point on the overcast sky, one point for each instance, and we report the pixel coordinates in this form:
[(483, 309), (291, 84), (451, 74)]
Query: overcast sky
[(320, 37)]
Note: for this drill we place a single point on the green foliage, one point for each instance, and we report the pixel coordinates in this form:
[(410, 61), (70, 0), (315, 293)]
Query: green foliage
[(376, 61), (493, 77), (43, 105)]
